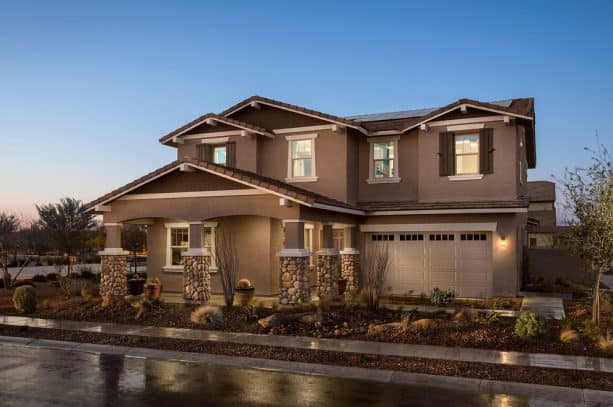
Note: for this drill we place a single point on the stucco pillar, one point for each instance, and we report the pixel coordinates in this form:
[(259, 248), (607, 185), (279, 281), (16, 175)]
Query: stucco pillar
[(196, 260), (294, 265), (113, 263), (327, 266), (350, 259)]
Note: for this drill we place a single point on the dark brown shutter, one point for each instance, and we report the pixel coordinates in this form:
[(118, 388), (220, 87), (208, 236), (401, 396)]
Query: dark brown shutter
[(446, 152), (204, 152), (486, 151), (231, 154)]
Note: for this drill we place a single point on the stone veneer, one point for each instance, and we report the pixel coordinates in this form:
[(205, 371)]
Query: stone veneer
[(350, 271), (295, 286), (113, 275), (196, 278), (327, 276)]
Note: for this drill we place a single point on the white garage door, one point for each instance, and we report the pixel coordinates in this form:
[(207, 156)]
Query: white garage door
[(421, 261)]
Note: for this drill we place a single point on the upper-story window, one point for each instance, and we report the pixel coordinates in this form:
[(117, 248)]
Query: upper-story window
[(301, 158), (466, 154), (383, 161), (219, 155)]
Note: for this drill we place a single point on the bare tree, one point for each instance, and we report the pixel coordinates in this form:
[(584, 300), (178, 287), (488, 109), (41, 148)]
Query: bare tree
[(134, 240), (9, 224), (589, 197), (226, 257), (376, 266)]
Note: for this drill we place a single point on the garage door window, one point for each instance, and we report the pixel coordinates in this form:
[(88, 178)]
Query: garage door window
[(382, 237), (473, 236), (441, 236), (412, 236)]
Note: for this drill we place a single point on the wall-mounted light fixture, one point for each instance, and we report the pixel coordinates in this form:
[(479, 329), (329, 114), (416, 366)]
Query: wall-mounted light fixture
[(503, 241)]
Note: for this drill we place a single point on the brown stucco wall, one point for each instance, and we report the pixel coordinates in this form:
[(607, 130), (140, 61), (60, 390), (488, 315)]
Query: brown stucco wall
[(499, 186), (178, 181)]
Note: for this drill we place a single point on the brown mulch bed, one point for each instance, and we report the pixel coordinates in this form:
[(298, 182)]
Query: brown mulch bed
[(568, 378)]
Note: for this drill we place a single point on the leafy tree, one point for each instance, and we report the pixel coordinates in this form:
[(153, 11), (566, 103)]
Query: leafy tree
[(589, 197), (68, 225)]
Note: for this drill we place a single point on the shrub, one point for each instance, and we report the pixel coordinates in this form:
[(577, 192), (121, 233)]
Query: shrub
[(22, 283), (423, 324), (350, 299), (89, 291), (208, 315), (605, 343), (570, 322), (569, 336), (439, 297), (51, 276), (530, 326), (86, 272), (589, 329), (24, 299), (487, 318), (39, 278)]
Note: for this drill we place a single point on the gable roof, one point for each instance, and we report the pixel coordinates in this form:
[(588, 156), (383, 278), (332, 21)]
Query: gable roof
[(218, 118), (293, 108), (248, 178)]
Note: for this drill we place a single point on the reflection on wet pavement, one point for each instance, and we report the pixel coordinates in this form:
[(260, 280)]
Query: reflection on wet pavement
[(42, 377)]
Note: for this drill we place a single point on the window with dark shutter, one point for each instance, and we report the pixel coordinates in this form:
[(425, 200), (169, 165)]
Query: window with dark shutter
[(446, 147), (231, 154), (204, 152), (486, 151)]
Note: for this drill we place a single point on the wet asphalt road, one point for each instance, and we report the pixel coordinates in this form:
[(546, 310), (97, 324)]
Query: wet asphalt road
[(42, 377)]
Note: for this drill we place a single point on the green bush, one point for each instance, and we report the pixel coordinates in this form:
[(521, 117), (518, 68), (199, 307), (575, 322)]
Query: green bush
[(589, 329), (24, 299), (530, 326), (439, 297)]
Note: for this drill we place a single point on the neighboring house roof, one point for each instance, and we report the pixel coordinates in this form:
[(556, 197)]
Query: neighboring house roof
[(218, 118), (294, 193), (541, 191), (294, 108)]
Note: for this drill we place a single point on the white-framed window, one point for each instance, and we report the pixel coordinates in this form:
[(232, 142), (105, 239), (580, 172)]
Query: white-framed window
[(219, 155), (177, 241), (466, 154), (301, 158), (383, 160)]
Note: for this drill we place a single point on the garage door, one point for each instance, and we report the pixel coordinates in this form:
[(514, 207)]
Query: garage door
[(420, 261)]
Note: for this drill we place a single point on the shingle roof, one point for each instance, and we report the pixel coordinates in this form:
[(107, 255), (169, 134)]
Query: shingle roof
[(200, 120), (414, 205), (541, 191)]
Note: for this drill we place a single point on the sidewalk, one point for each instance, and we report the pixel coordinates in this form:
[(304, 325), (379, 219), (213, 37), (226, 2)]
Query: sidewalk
[(538, 394), (566, 362)]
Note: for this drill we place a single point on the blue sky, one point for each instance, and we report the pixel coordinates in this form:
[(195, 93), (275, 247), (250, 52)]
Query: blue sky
[(87, 88)]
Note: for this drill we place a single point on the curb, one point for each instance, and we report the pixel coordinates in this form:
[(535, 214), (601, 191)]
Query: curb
[(526, 390)]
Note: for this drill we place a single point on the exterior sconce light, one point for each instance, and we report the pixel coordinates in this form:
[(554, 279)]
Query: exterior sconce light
[(503, 242)]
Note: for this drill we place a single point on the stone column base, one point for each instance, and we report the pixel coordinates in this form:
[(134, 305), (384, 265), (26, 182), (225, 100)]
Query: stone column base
[(350, 269), (295, 287), (327, 274), (196, 278), (113, 274)]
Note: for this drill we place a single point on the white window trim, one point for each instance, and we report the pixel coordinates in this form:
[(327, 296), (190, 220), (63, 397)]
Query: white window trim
[(371, 167), (465, 177), (169, 268), (290, 177), (311, 228)]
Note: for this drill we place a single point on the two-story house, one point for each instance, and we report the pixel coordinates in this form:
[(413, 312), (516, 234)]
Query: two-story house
[(304, 193)]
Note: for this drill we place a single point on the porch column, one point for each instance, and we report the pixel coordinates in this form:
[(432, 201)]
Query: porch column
[(294, 262), (113, 263), (196, 259), (350, 259), (327, 266)]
